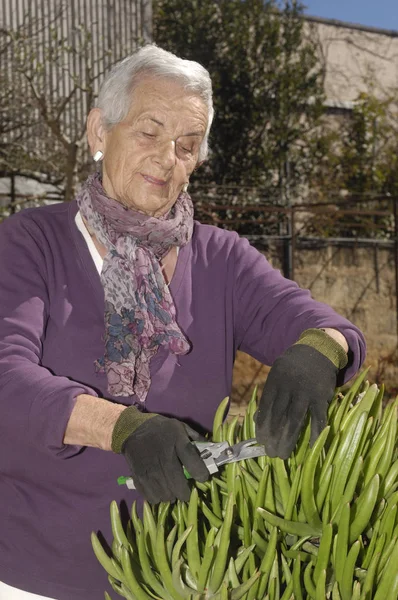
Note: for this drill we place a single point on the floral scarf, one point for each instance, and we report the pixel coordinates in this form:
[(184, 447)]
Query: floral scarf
[(139, 310)]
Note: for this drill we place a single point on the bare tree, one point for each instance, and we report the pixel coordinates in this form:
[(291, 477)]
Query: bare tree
[(48, 80)]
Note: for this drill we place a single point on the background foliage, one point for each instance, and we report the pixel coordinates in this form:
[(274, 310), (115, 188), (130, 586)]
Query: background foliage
[(268, 89), (271, 141)]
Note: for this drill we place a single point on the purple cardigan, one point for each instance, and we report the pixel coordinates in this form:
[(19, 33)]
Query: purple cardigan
[(52, 496)]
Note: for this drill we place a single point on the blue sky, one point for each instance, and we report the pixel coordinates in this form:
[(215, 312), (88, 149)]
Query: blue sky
[(374, 13)]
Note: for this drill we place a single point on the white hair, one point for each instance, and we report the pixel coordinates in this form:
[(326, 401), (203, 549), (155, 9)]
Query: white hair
[(114, 99)]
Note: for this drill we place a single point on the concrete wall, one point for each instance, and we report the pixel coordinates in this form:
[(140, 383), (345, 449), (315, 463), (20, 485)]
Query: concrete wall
[(359, 283), (352, 55)]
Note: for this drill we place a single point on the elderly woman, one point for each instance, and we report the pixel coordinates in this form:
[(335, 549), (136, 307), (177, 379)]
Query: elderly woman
[(121, 317)]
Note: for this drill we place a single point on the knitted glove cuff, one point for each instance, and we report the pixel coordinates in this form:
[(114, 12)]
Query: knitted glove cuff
[(326, 345), (128, 422)]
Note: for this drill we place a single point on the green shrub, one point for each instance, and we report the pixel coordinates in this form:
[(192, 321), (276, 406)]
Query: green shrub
[(321, 524)]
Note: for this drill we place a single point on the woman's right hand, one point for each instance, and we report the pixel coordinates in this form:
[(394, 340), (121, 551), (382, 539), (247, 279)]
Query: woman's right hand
[(156, 448)]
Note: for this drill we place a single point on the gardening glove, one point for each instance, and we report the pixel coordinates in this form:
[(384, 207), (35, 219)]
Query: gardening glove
[(156, 448), (302, 380)]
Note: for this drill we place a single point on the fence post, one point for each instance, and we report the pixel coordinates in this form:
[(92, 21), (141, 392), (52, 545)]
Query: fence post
[(289, 245), (292, 241), (13, 205), (395, 200)]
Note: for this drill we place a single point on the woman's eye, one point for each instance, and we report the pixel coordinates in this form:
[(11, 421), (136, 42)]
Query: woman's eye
[(184, 149), (148, 135)]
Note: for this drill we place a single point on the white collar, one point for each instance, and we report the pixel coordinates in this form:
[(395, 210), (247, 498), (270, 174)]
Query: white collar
[(98, 260)]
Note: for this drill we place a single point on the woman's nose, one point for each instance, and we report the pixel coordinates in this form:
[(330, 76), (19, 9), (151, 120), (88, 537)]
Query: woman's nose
[(166, 154)]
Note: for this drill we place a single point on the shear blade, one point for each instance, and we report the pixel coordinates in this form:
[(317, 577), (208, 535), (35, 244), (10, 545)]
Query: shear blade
[(241, 451)]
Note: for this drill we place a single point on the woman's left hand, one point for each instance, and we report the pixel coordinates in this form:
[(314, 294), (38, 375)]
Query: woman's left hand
[(302, 380)]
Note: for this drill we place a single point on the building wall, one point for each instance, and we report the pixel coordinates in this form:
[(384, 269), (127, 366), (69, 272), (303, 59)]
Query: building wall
[(75, 42), (54, 55), (353, 54)]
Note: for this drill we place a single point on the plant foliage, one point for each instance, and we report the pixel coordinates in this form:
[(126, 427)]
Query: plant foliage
[(321, 524)]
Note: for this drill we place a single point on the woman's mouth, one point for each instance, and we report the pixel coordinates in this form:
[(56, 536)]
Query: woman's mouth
[(154, 181)]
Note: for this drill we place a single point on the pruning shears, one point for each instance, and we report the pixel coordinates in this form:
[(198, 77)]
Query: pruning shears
[(215, 455)]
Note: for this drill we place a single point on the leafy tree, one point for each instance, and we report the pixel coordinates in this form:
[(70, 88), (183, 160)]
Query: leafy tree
[(360, 167), (362, 155), (368, 142), (267, 80)]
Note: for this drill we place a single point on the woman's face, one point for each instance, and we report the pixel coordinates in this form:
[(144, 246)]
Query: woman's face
[(149, 156)]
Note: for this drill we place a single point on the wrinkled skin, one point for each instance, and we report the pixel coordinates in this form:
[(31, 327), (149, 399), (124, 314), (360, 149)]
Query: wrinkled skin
[(150, 155)]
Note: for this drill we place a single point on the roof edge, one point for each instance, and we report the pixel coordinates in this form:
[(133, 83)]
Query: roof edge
[(348, 25)]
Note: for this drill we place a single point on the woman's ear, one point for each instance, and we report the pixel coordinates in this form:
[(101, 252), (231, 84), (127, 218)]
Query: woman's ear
[(95, 131)]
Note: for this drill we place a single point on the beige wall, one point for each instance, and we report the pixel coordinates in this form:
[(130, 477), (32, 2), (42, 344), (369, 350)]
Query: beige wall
[(352, 54)]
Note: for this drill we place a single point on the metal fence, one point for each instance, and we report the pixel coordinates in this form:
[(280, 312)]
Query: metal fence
[(352, 221), (255, 214), (356, 221)]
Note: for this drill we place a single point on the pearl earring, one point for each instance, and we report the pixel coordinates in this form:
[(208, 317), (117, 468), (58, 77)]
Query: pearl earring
[(185, 187), (98, 156)]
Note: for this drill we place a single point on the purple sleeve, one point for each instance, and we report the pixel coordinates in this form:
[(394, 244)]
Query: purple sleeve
[(35, 405), (271, 312)]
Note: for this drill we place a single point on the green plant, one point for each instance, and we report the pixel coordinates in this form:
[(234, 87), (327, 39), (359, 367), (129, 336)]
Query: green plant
[(360, 154), (321, 524)]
